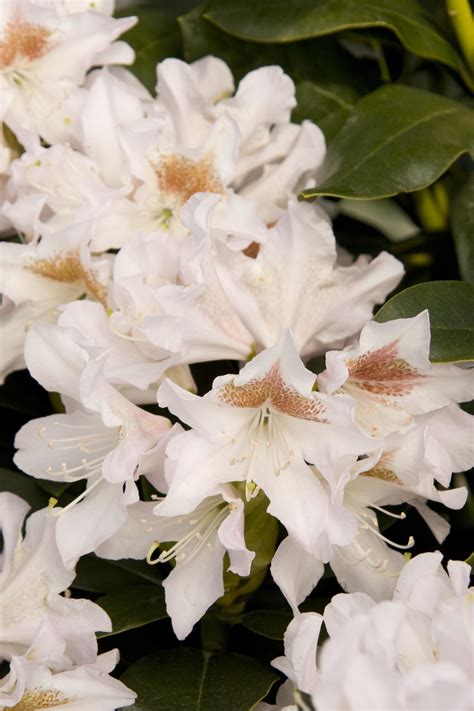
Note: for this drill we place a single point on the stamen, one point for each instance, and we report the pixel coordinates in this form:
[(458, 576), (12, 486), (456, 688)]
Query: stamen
[(400, 516), (374, 529), (79, 498)]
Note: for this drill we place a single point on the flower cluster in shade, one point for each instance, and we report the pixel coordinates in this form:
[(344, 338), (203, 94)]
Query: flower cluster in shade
[(161, 231)]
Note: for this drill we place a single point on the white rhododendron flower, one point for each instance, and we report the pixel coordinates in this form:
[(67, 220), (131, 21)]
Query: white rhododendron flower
[(32, 577), (36, 278), (32, 684), (391, 378), (134, 164), (262, 427), (103, 440), (164, 279), (44, 56), (412, 652), (244, 304)]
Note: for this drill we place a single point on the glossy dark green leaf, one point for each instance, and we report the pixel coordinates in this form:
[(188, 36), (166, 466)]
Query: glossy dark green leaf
[(326, 106), (451, 308), (462, 221), (100, 575), (322, 62), (282, 21), (189, 680), (267, 623), (133, 606), (155, 37), (24, 486), (391, 144)]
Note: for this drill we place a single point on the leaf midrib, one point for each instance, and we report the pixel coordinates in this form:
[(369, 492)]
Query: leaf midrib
[(394, 136)]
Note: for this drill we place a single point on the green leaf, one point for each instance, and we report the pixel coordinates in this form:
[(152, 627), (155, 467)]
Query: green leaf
[(304, 701), (451, 308), (95, 574), (24, 486), (470, 561), (267, 623), (133, 607), (321, 61), (385, 215), (391, 144), (155, 37), (188, 680), (261, 533), (325, 105), (462, 221), (283, 21)]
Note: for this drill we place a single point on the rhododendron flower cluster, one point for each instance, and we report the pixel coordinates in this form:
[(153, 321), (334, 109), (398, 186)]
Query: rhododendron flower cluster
[(162, 231)]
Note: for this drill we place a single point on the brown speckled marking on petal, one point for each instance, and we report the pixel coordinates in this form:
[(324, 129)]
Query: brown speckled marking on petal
[(383, 469), (39, 699), (382, 372), (182, 177), (67, 268), (271, 389), (24, 39)]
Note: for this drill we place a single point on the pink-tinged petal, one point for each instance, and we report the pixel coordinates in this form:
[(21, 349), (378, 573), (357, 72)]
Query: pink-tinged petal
[(59, 447), (280, 182), (301, 642), (263, 98), (391, 378), (98, 517), (213, 78), (297, 499), (199, 468), (182, 100), (136, 535), (367, 565), (231, 535), (13, 511), (295, 572), (343, 608), (422, 581), (54, 358), (193, 586), (209, 418), (453, 430), (459, 575)]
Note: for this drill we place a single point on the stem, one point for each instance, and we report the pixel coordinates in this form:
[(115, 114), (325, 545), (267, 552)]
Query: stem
[(383, 66), (460, 14)]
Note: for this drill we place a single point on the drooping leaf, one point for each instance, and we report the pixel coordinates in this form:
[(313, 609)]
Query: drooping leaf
[(134, 606), (281, 21), (390, 144), (189, 680), (451, 308), (267, 623), (385, 215), (100, 575), (462, 221)]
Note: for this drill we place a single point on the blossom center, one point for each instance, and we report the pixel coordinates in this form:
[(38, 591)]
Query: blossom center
[(181, 177), (383, 372), (203, 523), (272, 390), (38, 699), (23, 39), (67, 268)]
